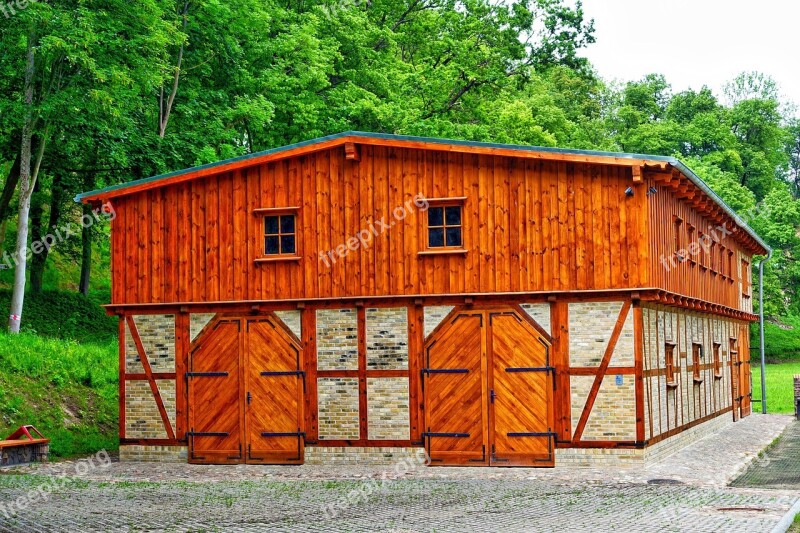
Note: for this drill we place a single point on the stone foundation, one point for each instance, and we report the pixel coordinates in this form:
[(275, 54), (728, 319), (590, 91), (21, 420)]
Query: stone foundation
[(335, 456), (642, 456), (389, 456), (160, 454)]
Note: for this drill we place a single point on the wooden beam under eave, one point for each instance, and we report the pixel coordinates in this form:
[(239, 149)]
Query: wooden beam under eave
[(352, 152), (638, 174)]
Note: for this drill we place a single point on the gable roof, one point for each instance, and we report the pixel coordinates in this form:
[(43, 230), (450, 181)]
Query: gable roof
[(406, 141)]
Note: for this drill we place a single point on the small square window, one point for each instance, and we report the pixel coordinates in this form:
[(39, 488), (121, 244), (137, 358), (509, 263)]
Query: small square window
[(445, 227), (279, 235)]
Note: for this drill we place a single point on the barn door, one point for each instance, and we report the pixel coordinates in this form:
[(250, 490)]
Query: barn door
[(736, 365), (454, 389), (745, 384), (520, 392), (275, 385), (215, 429)]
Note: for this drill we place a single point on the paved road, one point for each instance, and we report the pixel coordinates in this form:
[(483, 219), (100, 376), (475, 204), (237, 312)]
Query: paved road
[(179, 497), (402, 505)]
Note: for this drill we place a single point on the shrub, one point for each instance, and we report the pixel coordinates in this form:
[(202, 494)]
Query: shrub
[(65, 315)]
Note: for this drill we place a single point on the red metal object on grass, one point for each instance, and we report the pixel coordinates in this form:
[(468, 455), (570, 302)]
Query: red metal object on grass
[(26, 431)]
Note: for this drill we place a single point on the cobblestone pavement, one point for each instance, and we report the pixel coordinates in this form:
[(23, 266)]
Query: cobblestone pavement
[(778, 466), (685, 492)]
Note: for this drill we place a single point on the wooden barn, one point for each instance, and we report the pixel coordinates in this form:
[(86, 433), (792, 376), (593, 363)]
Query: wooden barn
[(360, 297)]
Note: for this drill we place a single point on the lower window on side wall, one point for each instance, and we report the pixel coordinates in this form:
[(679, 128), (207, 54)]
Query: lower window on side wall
[(669, 364), (697, 355)]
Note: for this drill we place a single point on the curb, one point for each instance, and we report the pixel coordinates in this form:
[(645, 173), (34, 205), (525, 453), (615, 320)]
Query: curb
[(788, 519)]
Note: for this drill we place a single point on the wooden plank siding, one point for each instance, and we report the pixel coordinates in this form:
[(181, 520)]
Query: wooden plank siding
[(528, 226), (693, 277)]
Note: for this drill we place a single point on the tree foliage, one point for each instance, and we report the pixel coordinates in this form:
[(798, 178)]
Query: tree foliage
[(128, 90)]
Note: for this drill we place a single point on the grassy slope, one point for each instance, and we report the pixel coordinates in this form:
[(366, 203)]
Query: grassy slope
[(67, 390), (780, 387), (65, 315), (60, 374), (782, 338)]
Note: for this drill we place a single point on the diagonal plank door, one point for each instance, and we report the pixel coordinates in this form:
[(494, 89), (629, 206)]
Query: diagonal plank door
[(521, 387), (215, 426), (455, 392), (275, 383)]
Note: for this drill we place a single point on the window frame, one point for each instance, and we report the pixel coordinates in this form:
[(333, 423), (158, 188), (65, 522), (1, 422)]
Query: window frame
[(712, 252), (745, 275), (717, 349), (444, 203), (669, 364), (677, 228), (731, 277), (262, 214), (697, 354), (690, 233)]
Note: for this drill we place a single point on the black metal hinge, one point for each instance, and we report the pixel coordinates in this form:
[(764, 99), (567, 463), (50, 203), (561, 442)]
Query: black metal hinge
[(284, 434), (531, 369), (287, 373)]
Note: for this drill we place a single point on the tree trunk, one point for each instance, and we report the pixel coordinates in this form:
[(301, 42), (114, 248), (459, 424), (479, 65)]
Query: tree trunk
[(5, 198), (86, 239), (8, 190), (44, 233), (25, 189), (35, 225), (86, 254)]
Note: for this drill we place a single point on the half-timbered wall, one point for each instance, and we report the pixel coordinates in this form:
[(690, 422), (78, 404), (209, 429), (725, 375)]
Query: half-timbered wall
[(528, 226), (703, 273), (672, 408)]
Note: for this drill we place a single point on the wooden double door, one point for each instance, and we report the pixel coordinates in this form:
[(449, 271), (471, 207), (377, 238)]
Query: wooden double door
[(488, 389), (245, 388)]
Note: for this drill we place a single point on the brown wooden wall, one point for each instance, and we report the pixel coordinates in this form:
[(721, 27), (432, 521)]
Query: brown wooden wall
[(692, 277), (528, 226)]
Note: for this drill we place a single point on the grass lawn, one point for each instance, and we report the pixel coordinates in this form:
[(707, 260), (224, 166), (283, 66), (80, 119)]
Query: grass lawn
[(780, 387)]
